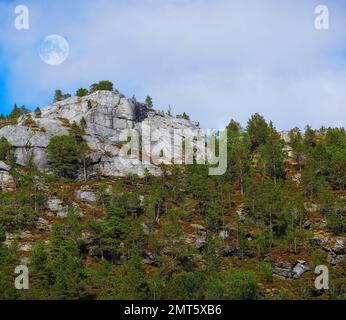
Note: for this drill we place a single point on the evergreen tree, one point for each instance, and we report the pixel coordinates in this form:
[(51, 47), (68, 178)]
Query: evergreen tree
[(101, 85), (149, 102), (297, 144), (38, 112), (272, 156), (58, 96), (64, 156), (258, 131), (82, 92)]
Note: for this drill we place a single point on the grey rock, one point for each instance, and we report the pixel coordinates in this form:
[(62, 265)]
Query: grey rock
[(241, 213), (319, 239), (24, 154), (224, 234), (299, 269), (202, 234), (4, 166), (231, 251), (342, 211), (20, 136), (86, 196), (54, 204), (339, 248), (332, 258), (6, 181), (148, 227), (311, 207), (25, 247), (282, 268), (43, 224), (120, 167), (149, 258), (106, 114), (79, 214), (52, 126), (63, 212)]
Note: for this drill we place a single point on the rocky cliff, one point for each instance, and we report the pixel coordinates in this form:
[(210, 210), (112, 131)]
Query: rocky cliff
[(107, 114)]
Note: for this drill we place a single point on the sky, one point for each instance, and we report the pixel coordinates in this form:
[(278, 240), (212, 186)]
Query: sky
[(215, 60)]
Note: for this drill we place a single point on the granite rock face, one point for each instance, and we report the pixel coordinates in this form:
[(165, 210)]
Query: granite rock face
[(6, 180), (107, 115)]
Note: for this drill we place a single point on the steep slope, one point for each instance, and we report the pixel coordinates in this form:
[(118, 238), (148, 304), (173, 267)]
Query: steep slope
[(107, 115)]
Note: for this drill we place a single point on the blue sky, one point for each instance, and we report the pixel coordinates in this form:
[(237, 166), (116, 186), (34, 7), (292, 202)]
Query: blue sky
[(216, 60)]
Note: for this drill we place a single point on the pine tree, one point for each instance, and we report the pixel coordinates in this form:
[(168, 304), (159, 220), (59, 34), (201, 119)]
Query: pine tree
[(58, 96), (149, 102), (258, 131), (82, 92), (101, 85), (38, 112), (64, 156)]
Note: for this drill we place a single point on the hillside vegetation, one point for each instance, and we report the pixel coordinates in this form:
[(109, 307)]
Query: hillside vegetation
[(257, 232)]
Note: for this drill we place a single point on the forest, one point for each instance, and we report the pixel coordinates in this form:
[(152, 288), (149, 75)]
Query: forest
[(183, 235)]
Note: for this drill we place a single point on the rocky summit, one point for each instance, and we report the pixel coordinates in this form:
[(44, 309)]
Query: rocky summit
[(107, 114)]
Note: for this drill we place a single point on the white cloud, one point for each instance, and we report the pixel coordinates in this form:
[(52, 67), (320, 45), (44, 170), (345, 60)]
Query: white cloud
[(216, 60)]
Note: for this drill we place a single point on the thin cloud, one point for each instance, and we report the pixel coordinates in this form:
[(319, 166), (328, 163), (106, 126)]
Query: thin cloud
[(215, 60)]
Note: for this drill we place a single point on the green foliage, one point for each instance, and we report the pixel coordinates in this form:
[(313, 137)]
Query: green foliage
[(59, 96), (20, 209), (63, 155), (149, 102), (108, 233), (38, 112), (30, 122), (336, 223), (297, 144), (101, 85), (184, 116), (267, 271), (8, 262), (2, 234), (258, 131), (82, 92), (152, 218), (272, 156), (132, 284), (240, 284), (83, 123), (17, 112), (5, 149), (239, 154)]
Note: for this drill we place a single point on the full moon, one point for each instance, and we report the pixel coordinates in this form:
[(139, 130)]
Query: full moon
[(54, 49)]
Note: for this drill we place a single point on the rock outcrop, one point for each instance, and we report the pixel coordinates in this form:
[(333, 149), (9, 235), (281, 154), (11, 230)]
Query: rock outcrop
[(6, 180), (107, 114)]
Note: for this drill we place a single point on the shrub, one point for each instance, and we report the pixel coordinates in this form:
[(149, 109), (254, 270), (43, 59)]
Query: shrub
[(5, 149), (82, 92), (336, 223), (102, 85), (240, 284), (267, 271)]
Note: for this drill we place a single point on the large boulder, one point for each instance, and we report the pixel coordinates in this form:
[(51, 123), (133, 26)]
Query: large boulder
[(120, 167), (282, 268), (21, 137), (4, 166), (86, 196), (299, 269)]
